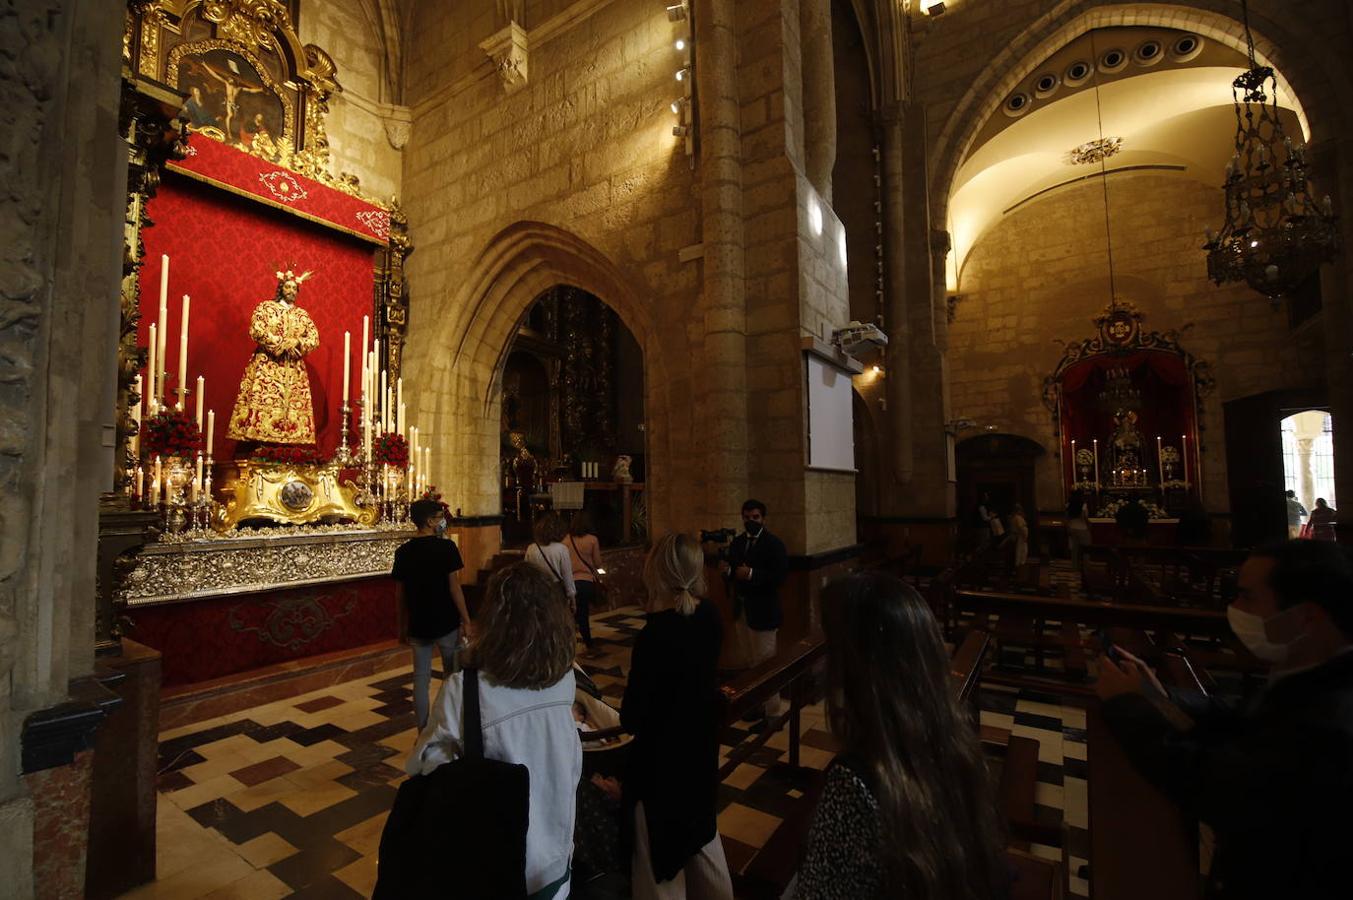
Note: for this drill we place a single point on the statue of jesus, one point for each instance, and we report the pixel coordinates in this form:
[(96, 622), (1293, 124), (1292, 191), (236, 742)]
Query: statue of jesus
[(274, 404)]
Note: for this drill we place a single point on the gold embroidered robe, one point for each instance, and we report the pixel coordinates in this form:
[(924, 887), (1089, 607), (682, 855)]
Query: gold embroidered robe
[(274, 403)]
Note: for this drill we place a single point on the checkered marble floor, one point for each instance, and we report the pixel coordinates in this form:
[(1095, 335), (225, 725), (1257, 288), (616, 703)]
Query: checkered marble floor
[(288, 799)]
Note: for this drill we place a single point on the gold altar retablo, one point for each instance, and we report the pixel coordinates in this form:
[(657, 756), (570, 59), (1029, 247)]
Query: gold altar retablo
[(290, 495)]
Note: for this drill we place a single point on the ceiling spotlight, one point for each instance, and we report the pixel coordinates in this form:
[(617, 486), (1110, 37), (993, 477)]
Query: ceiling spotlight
[(680, 130), (678, 12), (676, 107), (680, 44), (934, 9), (877, 370), (681, 73)]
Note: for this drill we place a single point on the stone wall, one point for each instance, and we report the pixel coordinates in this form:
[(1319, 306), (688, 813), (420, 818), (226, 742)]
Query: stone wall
[(1042, 274), (575, 177), (367, 126), (61, 216)]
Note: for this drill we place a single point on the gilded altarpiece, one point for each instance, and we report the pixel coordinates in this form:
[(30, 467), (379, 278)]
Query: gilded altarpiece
[(231, 80)]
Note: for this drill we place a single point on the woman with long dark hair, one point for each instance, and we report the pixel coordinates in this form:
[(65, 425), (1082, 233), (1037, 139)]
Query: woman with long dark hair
[(907, 809)]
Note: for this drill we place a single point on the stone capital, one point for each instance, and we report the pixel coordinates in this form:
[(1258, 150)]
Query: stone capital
[(508, 50)]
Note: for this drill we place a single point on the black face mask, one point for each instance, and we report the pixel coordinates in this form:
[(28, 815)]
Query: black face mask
[(754, 529)]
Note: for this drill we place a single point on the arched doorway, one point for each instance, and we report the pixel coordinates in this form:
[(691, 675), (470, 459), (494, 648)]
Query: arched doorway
[(1000, 467), (1308, 456), (572, 405)]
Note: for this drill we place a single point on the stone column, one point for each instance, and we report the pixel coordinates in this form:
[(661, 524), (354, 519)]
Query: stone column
[(819, 94), (723, 377), (1305, 472), (897, 445)]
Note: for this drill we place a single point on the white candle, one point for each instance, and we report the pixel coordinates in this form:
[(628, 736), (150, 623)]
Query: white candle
[(211, 429), (161, 361), (1160, 461), (183, 352), (399, 419), (1184, 445), (157, 384), (197, 482), (1096, 463), (152, 367), (140, 483), (399, 402), (347, 364), (155, 484), (201, 393), (366, 334)]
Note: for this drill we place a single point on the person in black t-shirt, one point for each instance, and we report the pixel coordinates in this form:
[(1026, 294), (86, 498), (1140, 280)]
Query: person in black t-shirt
[(429, 600)]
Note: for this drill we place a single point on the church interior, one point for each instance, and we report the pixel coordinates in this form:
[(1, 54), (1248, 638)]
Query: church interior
[(1042, 310)]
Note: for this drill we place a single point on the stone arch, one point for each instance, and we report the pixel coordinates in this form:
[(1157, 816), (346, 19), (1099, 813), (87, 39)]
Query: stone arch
[(458, 361), (1306, 68)]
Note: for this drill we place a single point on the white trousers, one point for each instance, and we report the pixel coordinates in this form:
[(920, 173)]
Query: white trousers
[(757, 647), (705, 876)]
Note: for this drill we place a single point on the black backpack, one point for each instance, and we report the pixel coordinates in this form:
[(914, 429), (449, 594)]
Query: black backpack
[(459, 831)]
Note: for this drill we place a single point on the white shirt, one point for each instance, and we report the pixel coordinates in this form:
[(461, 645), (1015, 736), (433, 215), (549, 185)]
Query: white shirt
[(554, 560), (531, 728)]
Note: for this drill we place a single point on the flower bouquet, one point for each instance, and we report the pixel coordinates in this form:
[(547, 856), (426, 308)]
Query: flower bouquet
[(288, 455), (171, 432), (390, 449)]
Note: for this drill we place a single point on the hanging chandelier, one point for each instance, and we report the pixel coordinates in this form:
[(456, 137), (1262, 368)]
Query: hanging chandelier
[(1274, 236)]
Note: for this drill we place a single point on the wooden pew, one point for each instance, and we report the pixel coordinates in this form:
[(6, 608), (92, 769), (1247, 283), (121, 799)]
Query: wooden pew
[(1141, 844)]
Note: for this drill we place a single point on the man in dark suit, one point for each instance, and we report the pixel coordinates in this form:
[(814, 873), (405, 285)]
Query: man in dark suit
[(1273, 780), (756, 567)]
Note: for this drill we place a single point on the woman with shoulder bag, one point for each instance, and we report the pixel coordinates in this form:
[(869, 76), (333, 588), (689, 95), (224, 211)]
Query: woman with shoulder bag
[(549, 555), (523, 652), (585, 555)]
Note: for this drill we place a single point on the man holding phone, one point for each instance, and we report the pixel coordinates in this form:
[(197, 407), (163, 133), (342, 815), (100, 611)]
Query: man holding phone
[(1274, 780)]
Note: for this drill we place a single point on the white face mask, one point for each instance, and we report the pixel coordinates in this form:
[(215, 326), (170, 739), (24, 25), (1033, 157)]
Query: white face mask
[(1253, 633)]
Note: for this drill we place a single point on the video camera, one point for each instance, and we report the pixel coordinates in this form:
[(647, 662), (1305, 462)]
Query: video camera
[(720, 536)]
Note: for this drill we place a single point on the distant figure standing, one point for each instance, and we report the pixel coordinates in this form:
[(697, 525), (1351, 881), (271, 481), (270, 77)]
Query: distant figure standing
[(1295, 513), (585, 553), (989, 522), (549, 555), (428, 598), (1322, 520), (1019, 530), (1077, 528)]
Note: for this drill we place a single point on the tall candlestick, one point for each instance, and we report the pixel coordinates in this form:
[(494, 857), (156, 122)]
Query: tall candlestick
[(347, 364), (1184, 448), (197, 483), (1096, 441), (136, 417), (1160, 461), (183, 353), (211, 429), (201, 392), (399, 403), (155, 484), (140, 484), (152, 367), (385, 403)]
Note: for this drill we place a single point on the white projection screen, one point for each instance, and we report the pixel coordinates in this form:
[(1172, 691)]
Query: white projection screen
[(831, 429)]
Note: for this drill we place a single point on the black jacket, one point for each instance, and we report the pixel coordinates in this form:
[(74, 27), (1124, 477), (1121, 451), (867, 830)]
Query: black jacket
[(760, 597), (672, 707), (1275, 782)]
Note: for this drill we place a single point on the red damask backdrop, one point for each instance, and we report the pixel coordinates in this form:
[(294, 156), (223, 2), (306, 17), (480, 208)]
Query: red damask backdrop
[(224, 251)]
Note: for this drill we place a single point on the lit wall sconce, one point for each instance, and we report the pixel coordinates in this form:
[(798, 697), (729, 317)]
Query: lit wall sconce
[(679, 12), (682, 72), (935, 9)]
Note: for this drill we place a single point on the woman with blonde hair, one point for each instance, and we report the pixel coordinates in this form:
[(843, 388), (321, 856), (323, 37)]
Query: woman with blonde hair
[(523, 651), (671, 707)]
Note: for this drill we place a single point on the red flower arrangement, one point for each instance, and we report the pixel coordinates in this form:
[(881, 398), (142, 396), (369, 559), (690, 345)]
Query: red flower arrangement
[(287, 455), (170, 432), (390, 449)]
